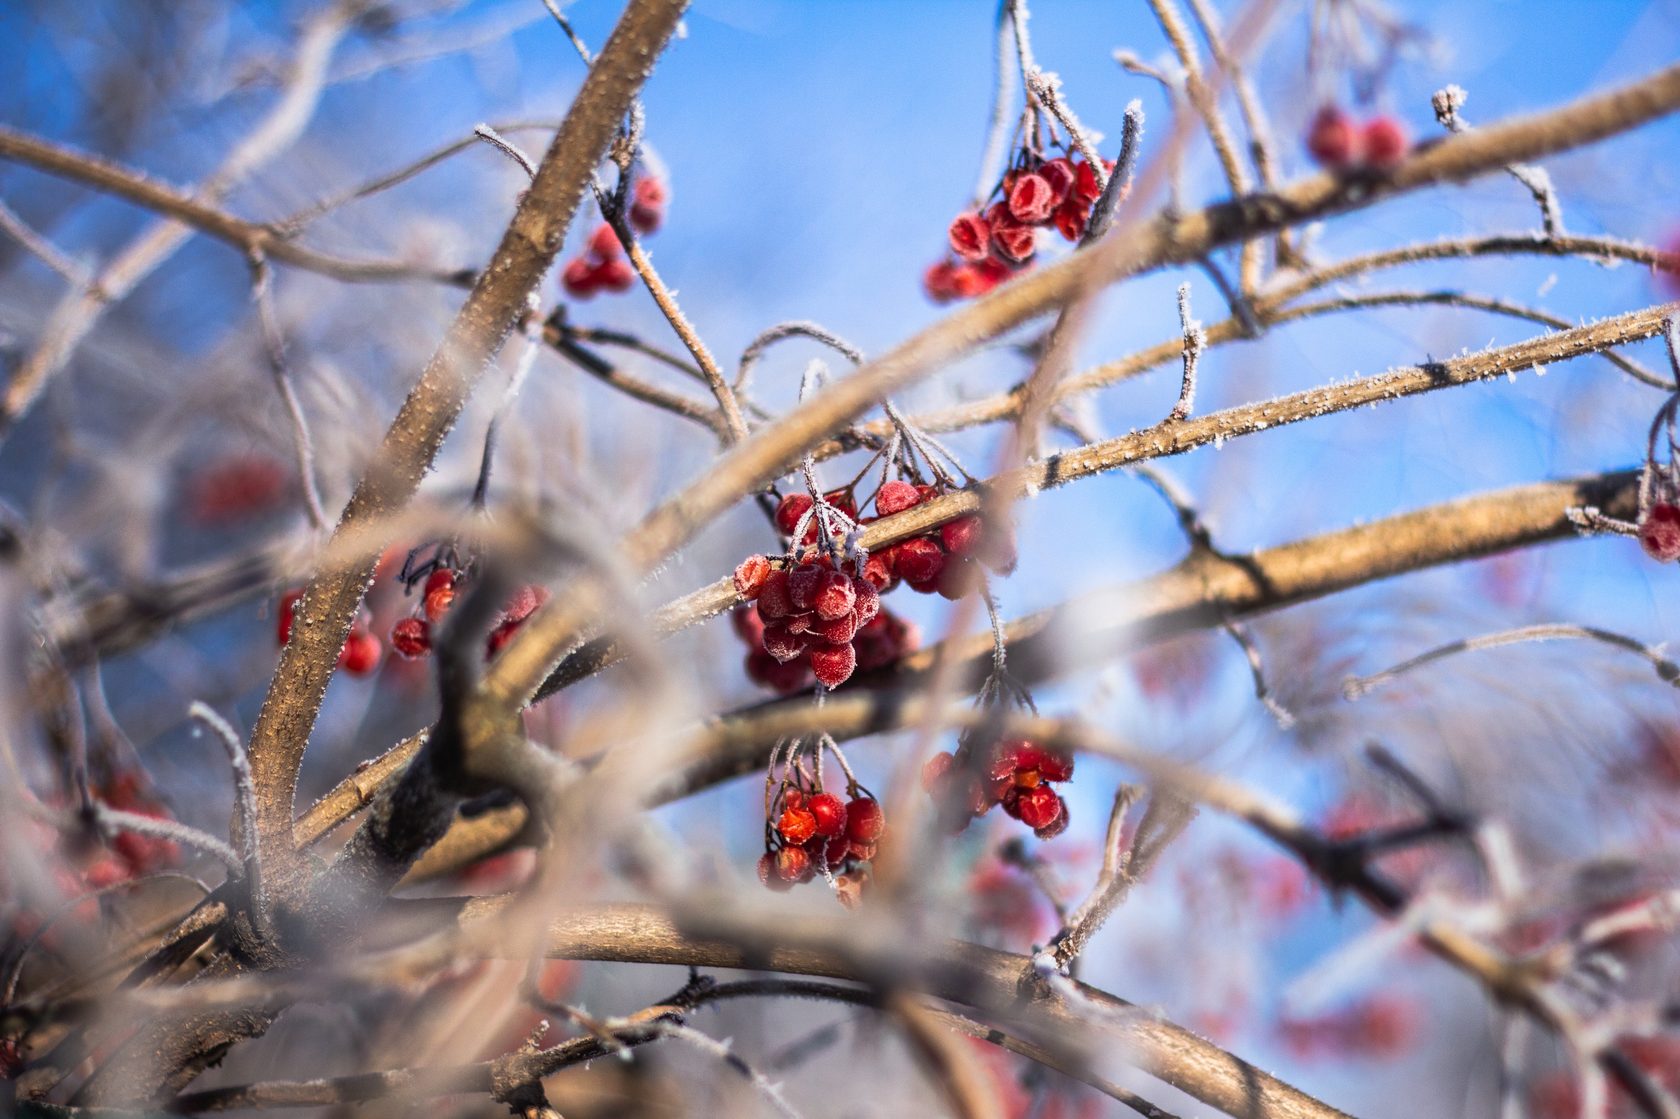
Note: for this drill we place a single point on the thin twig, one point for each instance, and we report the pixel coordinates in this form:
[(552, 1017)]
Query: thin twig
[(274, 345), (1195, 340), (1668, 671)]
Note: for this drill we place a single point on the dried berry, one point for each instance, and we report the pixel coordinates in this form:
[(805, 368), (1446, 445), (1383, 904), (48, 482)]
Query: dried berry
[(412, 637), (1031, 200), (970, 236), (750, 575), (1659, 532)]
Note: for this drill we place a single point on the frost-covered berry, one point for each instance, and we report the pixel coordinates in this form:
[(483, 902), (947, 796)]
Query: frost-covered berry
[(1659, 532), (412, 637)]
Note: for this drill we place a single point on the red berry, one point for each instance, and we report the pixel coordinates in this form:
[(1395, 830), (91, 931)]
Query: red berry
[(919, 560), (578, 278), (749, 627), (1058, 823), (830, 813), (842, 500), (360, 654), (441, 578), (1386, 143), (940, 281), (864, 820), (1333, 140), (970, 236), (837, 848), (878, 570), (833, 665), (524, 602), (840, 631), (1659, 532), (1013, 241), (796, 825), (1072, 216), (647, 204), (961, 535), (1058, 175), (412, 637), (288, 607), (936, 770), (791, 511), (769, 873), (793, 864), (895, 497), (604, 243), (1031, 200), (499, 637), (614, 275), (803, 582), (801, 623), (750, 575), (783, 644), (867, 602), (834, 595), (1085, 186)]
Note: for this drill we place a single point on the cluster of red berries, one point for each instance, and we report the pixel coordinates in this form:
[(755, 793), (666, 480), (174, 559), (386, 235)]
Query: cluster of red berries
[(1016, 773), (602, 266), (941, 560), (806, 620), (361, 652), (811, 832), (412, 636), (1340, 143), (989, 245)]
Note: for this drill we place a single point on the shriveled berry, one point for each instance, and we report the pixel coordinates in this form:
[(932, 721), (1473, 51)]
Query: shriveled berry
[(438, 603), (1031, 200), (849, 888), (412, 637), (1085, 185), (919, 560), (1056, 826), (1659, 532), (833, 665), (614, 275), (830, 813), (1385, 143), (793, 864), (360, 654), (864, 820), (833, 597), (878, 570), (770, 875), (750, 575), (647, 204), (895, 497), (1013, 241), (1072, 217), (791, 511), (604, 243), (288, 607), (1058, 175), (796, 825), (1333, 140), (578, 278), (940, 281), (970, 236)]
